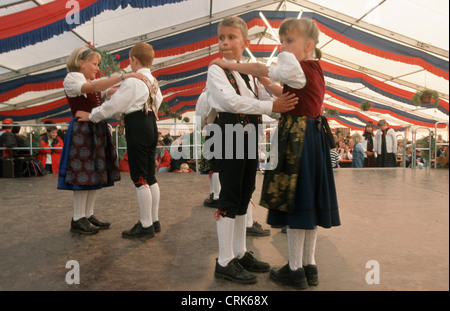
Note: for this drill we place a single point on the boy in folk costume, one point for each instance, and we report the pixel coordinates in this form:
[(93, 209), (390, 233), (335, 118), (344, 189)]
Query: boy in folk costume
[(139, 101), (237, 100)]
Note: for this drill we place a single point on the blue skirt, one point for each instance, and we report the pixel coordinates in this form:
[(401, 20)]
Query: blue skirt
[(315, 202), (88, 159)]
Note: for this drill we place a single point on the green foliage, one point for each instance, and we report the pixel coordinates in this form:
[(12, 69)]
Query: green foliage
[(418, 98), (365, 105), (332, 112), (168, 112), (108, 65)]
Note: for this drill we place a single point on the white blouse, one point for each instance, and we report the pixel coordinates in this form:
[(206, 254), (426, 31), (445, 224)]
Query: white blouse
[(73, 82), (288, 71)]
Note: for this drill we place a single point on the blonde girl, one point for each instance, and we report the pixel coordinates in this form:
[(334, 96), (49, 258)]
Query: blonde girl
[(300, 192)]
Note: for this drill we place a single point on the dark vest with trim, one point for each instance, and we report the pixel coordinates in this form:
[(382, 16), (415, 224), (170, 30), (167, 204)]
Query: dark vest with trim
[(310, 97)]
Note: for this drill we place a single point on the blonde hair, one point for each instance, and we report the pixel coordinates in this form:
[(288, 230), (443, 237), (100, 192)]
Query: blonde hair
[(236, 22), (73, 63), (357, 138), (144, 53), (381, 122), (306, 27), (184, 165)]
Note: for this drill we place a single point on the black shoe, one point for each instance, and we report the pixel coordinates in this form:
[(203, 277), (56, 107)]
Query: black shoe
[(257, 230), (288, 277), (210, 202), (234, 272), (312, 275), (250, 263), (82, 226), (157, 226), (100, 224), (139, 232)]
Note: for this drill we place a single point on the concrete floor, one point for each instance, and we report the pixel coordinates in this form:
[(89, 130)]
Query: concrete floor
[(397, 217)]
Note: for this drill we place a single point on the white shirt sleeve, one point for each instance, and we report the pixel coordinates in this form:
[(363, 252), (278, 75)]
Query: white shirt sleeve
[(225, 99), (264, 95), (202, 108), (130, 95), (391, 132), (288, 71), (72, 84), (159, 99)]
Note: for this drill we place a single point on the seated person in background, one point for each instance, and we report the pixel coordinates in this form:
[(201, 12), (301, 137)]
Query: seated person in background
[(341, 150), (50, 157), (420, 163), (408, 156), (7, 139), (443, 159), (184, 168), (162, 159), (21, 141), (334, 158), (348, 155), (358, 150)]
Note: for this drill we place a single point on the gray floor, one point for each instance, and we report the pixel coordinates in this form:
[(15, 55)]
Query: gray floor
[(396, 217)]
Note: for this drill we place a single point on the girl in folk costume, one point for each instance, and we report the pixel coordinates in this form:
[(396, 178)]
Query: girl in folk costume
[(300, 192), (88, 159), (369, 156), (385, 145)]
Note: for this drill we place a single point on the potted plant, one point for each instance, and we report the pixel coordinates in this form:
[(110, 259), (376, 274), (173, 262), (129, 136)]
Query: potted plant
[(365, 105), (332, 112), (425, 97)]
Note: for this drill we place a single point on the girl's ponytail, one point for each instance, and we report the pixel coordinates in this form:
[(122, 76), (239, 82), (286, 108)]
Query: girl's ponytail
[(318, 53)]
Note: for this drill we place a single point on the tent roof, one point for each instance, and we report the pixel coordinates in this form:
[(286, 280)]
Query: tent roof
[(382, 51)]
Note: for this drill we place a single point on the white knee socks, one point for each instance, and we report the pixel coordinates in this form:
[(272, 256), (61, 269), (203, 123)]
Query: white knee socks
[(79, 204), (154, 189), (215, 185), (144, 198), (225, 230), (90, 202), (302, 247), (239, 236), (309, 249), (250, 214), (296, 239), (83, 203)]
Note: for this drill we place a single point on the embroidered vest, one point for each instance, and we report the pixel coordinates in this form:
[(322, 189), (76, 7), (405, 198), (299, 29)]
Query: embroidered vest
[(150, 104)]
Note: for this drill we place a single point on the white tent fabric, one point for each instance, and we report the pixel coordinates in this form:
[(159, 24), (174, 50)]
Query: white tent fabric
[(423, 25)]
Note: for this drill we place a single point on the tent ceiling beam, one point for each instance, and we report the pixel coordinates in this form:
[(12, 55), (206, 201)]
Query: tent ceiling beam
[(189, 25), (33, 101), (4, 6), (378, 74), (176, 60), (373, 28), (145, 37), (368, 113), (379, 100)]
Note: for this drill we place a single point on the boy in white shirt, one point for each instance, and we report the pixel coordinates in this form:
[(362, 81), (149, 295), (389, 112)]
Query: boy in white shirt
[(139, 101), (238, 99)]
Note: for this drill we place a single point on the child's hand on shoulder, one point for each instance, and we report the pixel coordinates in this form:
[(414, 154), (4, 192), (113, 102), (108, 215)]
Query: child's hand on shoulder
[(219, 62), (136, 75)]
